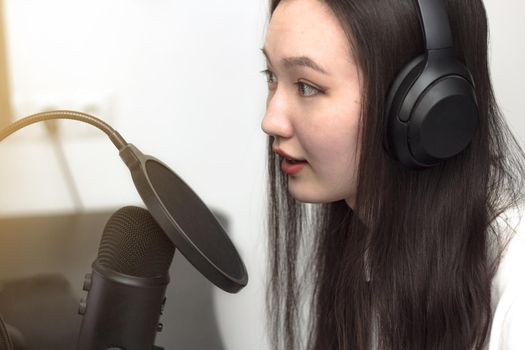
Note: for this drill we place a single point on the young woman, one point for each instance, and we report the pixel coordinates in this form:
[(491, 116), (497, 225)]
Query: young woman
[(368, 253)]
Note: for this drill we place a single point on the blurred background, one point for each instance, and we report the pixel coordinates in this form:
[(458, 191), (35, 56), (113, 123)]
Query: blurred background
[(180, 80)]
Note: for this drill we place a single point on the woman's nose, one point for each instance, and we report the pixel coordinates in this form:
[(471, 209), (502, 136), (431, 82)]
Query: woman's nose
[(276, 121)]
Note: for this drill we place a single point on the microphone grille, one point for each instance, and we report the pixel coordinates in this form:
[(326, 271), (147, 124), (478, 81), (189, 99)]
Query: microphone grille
[(134, 244)]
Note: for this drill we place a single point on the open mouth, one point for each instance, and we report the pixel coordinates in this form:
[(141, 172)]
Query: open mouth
[(294, 161), (287, 159), (292, 166)]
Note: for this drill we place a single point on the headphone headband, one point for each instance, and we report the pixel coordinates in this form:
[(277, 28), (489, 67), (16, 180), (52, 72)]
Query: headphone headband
[(435, 24)]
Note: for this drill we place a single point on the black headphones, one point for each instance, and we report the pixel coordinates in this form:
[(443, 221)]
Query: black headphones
[(431, 111)]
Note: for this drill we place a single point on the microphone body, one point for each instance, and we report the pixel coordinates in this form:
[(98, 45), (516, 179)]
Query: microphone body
[(124, 310), (126, 289)]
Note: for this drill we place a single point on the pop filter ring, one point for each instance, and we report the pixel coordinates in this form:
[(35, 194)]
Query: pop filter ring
[(232, 275)]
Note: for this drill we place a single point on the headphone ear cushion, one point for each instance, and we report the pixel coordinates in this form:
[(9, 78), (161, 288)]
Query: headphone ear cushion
[(397, 93), (444, 120)]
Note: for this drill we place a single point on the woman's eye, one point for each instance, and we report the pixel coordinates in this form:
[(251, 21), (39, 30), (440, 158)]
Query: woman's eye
[(307, 90), (270, 77)]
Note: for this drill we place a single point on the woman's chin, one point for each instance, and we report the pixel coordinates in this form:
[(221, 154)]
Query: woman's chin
[(308, 194)]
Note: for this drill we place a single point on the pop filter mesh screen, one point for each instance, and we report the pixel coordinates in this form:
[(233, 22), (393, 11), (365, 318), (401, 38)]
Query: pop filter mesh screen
[(198, 224)]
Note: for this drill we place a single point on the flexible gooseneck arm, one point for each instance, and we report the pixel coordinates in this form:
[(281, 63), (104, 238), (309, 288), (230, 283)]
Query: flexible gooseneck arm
[(113, 135)]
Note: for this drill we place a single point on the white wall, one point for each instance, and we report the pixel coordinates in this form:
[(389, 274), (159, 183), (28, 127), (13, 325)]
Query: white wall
[(180, 80), (507, 53)]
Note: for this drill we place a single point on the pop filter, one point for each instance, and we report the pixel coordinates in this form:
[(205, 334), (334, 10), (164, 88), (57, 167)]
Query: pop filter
[(182, 215), (186, 220)]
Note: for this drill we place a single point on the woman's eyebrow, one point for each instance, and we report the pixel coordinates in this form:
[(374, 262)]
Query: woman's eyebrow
[(302, 61)]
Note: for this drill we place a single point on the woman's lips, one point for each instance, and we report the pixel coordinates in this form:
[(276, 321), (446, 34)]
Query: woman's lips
[(289, 164), (292, 167), (286, 155)]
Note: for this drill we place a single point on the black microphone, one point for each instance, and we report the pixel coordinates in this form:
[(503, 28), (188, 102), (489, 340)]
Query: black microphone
[(126, 291), (130, 275)]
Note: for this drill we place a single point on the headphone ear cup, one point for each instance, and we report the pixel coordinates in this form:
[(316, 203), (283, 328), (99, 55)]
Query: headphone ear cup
[(431, 111), (396, 94), (444, 120)]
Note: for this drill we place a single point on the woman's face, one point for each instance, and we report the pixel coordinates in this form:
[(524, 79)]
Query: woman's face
[(314, 101)]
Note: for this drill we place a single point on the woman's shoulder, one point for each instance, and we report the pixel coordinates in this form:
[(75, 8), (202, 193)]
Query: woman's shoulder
[(508, 285)]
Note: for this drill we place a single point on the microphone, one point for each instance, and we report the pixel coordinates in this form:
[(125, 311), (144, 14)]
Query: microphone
[(130, 275), (126, 290)]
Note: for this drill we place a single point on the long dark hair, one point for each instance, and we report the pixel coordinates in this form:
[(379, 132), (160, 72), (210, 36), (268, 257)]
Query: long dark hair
[(410, 266)]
